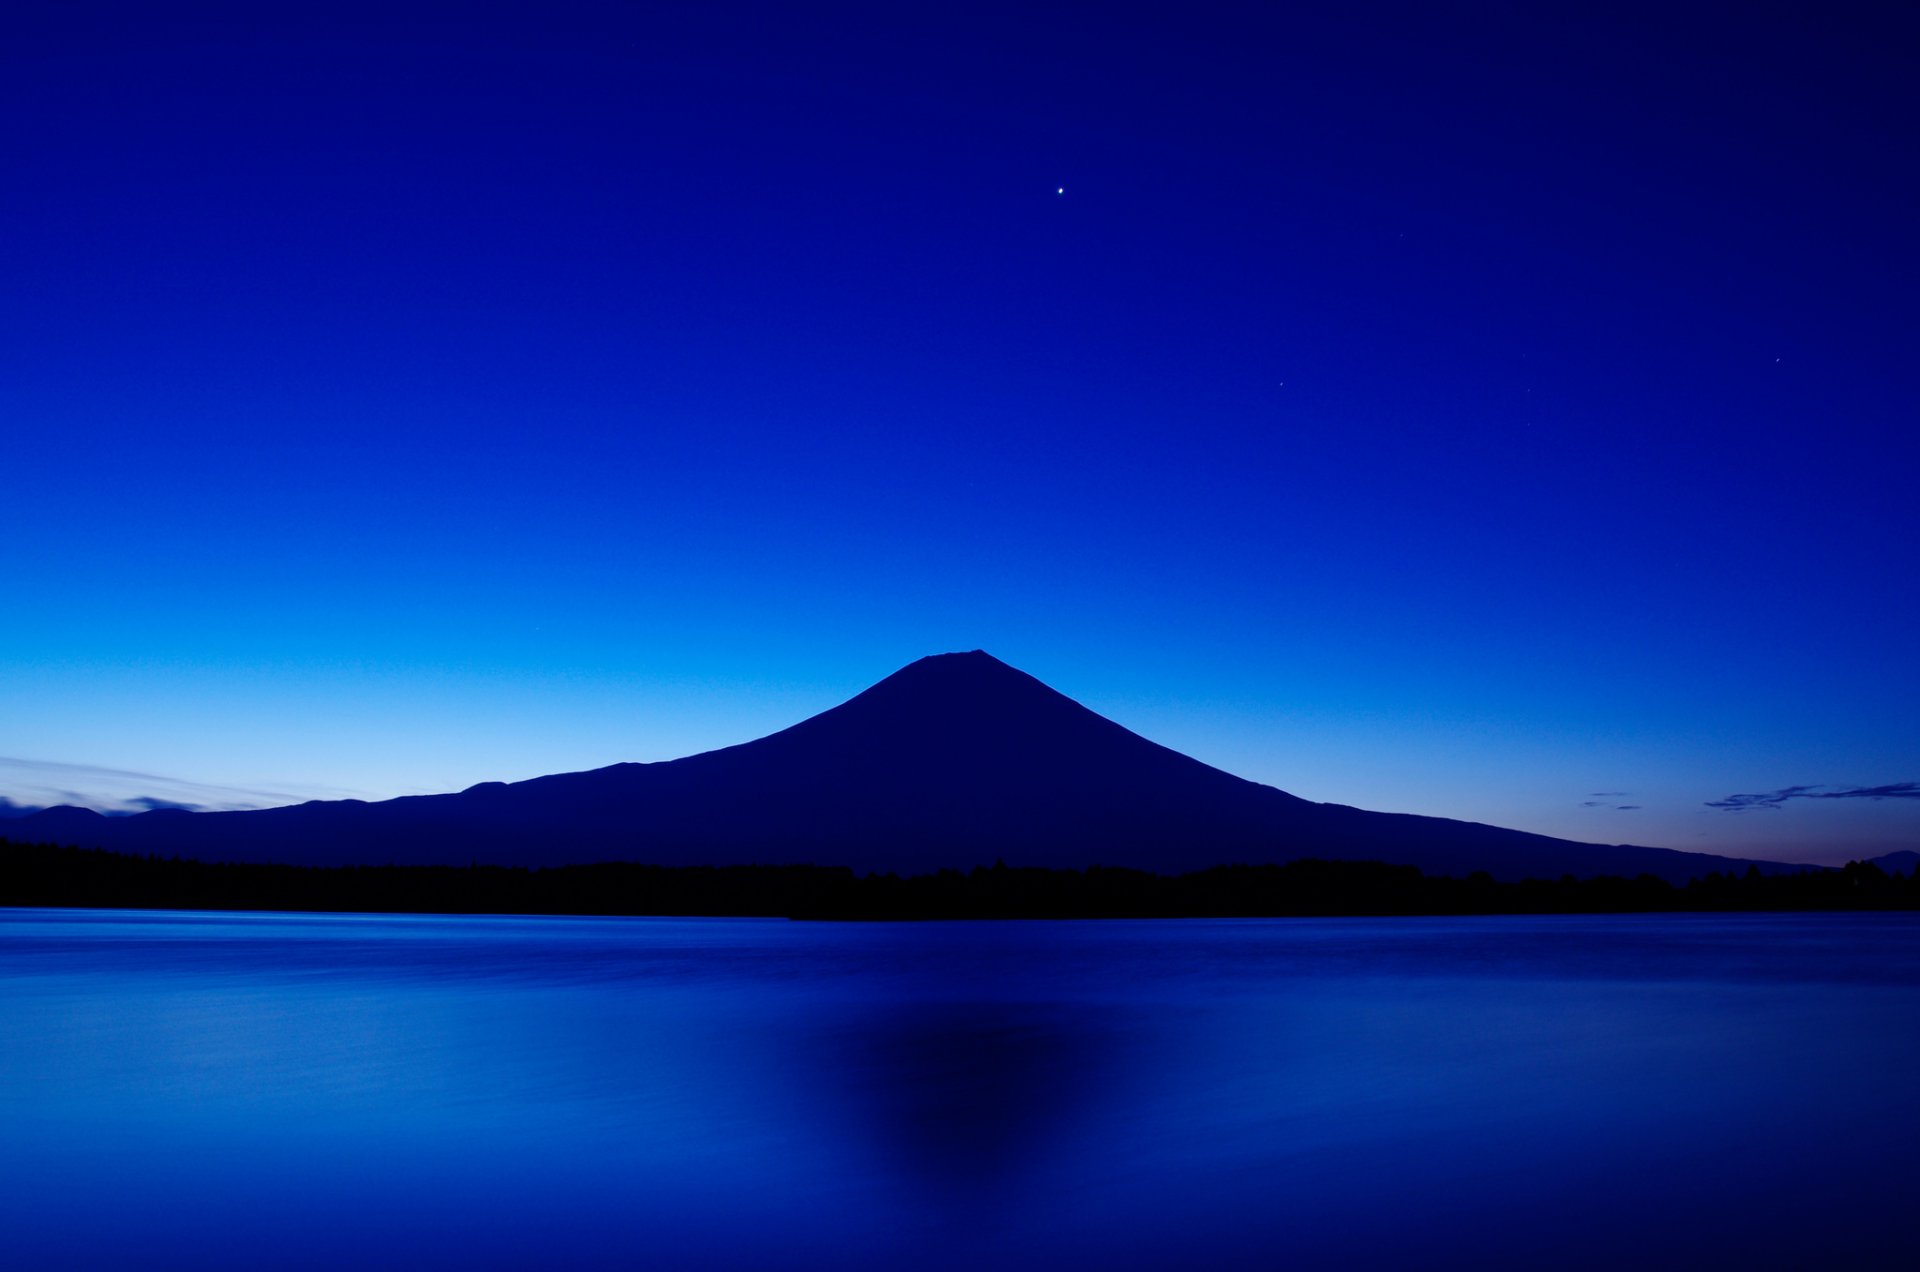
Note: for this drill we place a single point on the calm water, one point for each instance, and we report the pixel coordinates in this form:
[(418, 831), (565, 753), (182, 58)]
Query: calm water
[(243, 1091)]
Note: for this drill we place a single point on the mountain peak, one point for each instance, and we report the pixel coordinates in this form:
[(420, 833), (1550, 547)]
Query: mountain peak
[(952, 713), (972, 683), (971, 660)]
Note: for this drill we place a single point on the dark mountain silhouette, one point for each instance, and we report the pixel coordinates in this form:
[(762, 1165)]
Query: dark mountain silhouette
[(955, 760)]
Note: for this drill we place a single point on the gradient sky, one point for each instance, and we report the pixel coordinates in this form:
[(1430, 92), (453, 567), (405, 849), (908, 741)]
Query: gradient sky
[(1476, 411)]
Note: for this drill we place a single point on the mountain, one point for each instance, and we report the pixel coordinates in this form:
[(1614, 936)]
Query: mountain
[(952, 761)]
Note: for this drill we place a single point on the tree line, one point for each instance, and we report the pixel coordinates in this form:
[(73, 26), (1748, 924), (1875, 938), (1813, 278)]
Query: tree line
[(50, 875)]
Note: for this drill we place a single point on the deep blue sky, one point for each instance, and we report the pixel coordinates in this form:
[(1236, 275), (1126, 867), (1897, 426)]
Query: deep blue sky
[(1478, 412)]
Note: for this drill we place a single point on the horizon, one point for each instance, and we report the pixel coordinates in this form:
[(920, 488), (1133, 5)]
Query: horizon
[(135, 805), (1494, 416)]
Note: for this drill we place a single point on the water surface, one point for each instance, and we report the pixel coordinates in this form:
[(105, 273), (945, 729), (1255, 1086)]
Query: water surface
[(247, 1090)]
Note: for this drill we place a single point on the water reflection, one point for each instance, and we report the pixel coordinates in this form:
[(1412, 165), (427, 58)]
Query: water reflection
[(235, 1092), (967, 1097)]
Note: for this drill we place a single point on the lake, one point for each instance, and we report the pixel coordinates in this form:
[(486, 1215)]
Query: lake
[(201, 1090)]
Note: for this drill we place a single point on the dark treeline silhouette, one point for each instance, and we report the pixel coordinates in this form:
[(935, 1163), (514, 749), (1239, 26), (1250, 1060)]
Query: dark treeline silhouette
[(49, 875), (42, 874)]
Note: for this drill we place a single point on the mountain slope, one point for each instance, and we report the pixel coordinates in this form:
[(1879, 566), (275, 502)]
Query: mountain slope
[(954, 760)]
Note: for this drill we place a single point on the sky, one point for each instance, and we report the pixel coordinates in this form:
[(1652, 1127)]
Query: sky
[(1497, 412)]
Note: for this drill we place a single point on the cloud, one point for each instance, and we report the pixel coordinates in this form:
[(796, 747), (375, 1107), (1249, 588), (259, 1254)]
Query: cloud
[(28, 785), (1627, 808), (1774, 799), (153, 803), (1604, 799), (1610, 794)]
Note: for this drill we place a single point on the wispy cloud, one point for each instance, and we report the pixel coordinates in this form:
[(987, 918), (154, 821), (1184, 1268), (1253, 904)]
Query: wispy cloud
[(27, 785), (151, 803), (1774, 799), (1604, 799)]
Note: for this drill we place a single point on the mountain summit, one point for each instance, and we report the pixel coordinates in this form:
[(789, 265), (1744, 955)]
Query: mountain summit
[(954, 760)]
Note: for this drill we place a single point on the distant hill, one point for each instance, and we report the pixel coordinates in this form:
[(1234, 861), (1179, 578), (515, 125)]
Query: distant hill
[(955, 760)]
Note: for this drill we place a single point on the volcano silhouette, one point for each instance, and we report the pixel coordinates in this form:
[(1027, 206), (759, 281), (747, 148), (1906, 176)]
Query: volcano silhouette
[(952, 761)]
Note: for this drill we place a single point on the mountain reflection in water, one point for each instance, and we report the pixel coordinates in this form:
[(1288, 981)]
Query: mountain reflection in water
[(968, 1098)]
